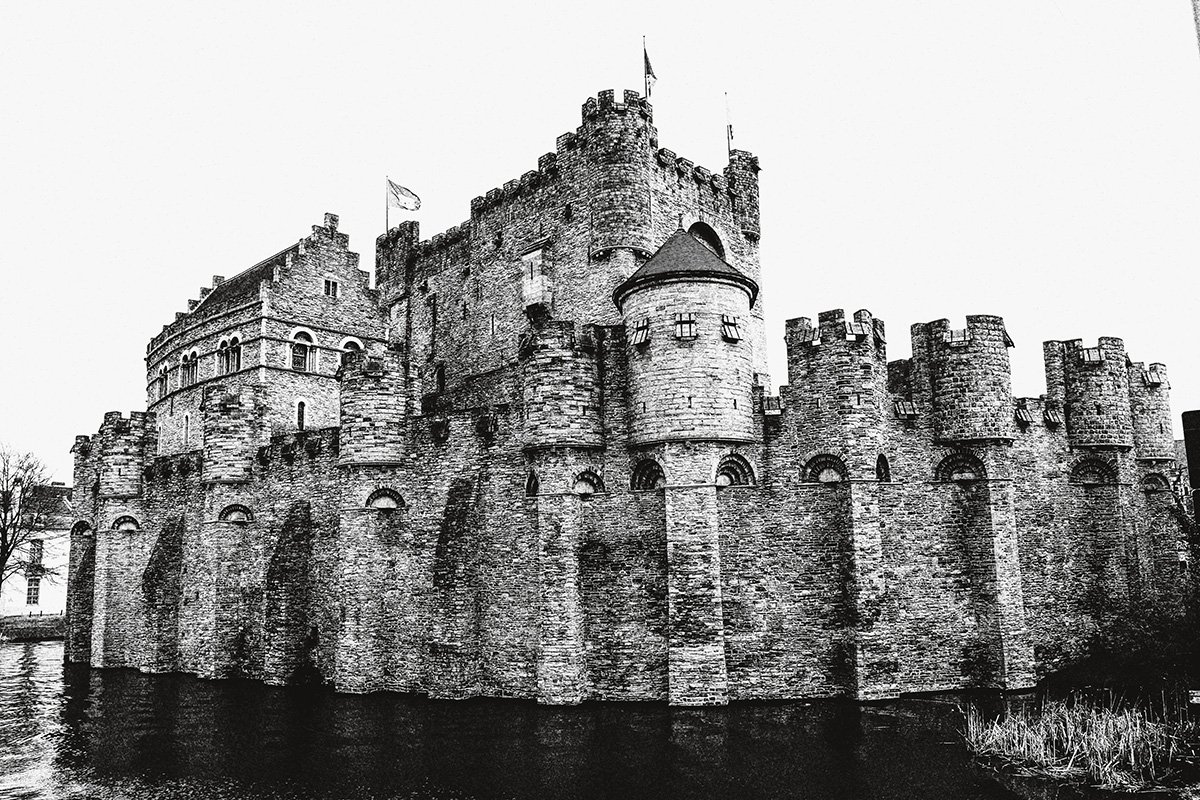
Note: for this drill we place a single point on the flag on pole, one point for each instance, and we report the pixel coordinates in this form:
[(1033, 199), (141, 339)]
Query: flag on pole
[(399, 197), (649, 70)]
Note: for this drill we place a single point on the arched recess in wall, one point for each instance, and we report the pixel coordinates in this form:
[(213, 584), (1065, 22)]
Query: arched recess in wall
[(531, 484), (705, 233), (303, 351), (647, 475), (236, 513), (960, 467), (385, 500), (825, 468), (126, 524), (81, 528), (883, 470), (1092, 471), (301, 414), (734, 470), (587, 483), (1154, 482)]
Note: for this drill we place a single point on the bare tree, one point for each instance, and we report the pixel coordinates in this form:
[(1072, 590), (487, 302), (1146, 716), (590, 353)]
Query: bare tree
[(29, 507)]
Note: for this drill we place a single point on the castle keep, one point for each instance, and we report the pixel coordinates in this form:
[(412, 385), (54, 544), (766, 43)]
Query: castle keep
[(541, 459)]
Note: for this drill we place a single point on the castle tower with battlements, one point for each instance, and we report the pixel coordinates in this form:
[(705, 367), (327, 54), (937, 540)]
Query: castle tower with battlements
[(541, 458)]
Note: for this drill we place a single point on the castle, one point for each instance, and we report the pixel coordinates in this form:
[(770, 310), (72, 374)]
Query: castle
[(541, 459)]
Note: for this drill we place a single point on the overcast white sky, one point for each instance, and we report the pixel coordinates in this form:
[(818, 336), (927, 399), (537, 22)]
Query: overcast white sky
[(1037, 160)]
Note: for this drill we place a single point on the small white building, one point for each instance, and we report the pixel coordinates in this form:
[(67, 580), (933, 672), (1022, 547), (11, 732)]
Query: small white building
[(40, 587)]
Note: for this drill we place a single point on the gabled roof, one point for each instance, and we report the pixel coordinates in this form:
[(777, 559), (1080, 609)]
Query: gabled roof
[(241, 288), (682, 255)]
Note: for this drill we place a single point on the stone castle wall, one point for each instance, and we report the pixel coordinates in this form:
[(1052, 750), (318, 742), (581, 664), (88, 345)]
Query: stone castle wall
[(507, 493)]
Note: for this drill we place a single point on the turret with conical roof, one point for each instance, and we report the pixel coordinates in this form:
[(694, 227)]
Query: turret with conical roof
[(687, 313)]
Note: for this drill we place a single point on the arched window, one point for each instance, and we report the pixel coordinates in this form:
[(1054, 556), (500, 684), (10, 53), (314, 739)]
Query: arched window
[(126, 524), (883, 470), (161, 383), (303, 353), (350, 346), (385, 500), (531, 484), (709, 237), (223, 358), (648, 474), (187, 370), (300, 406), (825, 468), (1092, 471), (81, 528), (439, 378), (236, 513), (587, 483), (734, 470), (187, 429), (234, 355), (960, 467)]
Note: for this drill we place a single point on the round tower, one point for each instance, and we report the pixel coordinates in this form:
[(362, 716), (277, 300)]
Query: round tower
[(232, 423), (969, 377), (561, 397), (372, 409), (1150, 407), (686, 314), (837, 371), (618, 135), (122, 453), (1096, 393)]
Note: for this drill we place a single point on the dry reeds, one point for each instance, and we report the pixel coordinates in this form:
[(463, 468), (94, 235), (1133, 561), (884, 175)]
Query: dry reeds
[(1126, 748)]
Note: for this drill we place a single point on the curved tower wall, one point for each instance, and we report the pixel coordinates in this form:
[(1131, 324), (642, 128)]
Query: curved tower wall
[(969, 376), (1093, 383), (1150, 409), (372, 408), (689, 388), (560, 388), (618, 135)]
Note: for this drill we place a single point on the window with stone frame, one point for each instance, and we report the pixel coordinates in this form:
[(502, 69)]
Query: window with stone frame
[(161, 383), (300, 409), (685, 325), (641, 332), (348, 347), (188, 371), (33, 590), (233, 355), (730, 331), (303, 352), (332, 289)]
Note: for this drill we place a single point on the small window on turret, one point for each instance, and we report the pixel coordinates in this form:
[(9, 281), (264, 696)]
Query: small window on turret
[(685, 326), (641, 332), (1091, 355), (729, 329)]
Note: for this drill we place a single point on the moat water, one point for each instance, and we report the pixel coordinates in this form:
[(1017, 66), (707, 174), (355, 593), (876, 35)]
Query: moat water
[(69, 732)]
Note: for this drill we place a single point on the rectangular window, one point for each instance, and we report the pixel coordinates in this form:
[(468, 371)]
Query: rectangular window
[(1024, 416), (33, 588), (905, 409), (331, 288), (729, 328), (1091, 355), (35, 552), (856, 331), (685, 326), (641, 333)]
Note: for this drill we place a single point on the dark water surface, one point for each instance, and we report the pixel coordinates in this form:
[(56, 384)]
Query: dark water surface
[(80, 733)]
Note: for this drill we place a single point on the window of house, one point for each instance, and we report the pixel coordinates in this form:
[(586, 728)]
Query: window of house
[(33, 588), (729, 328), (35, 552), (685, 326), (331, 288), (641, 332), (303, 352), (300, 415)]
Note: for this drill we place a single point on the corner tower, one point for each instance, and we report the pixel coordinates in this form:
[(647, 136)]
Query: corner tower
[(691, 369)]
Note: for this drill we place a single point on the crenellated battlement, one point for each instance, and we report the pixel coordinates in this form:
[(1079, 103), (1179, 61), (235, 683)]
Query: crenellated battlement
[(561, 390), (1092, 384), (964, 375), (372, 408)]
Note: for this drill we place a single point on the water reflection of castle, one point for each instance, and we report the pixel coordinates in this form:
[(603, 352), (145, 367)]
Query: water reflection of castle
[(540, 459)]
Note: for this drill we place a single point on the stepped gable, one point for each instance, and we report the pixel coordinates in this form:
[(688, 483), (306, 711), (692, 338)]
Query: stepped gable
[(683, 255)]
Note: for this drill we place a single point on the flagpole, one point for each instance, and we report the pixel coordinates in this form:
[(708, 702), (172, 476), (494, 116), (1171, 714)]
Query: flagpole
[(728, 129)]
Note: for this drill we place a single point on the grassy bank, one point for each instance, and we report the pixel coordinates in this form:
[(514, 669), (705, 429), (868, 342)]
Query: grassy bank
[(1087, 742), (32, 629)]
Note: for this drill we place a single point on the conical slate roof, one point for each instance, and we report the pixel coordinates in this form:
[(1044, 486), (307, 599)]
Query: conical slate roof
[(681, 256)]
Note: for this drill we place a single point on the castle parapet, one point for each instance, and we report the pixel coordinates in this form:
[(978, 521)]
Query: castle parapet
[(1150, 410), (969, 377)]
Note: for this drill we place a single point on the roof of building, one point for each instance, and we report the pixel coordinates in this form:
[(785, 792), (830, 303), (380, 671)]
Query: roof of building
[(683, 255), (241, 288)]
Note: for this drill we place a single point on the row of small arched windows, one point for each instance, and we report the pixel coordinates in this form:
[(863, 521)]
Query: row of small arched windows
[(648, 475)]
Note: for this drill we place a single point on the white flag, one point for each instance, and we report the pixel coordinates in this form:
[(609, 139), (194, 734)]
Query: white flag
[(399, 197)]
